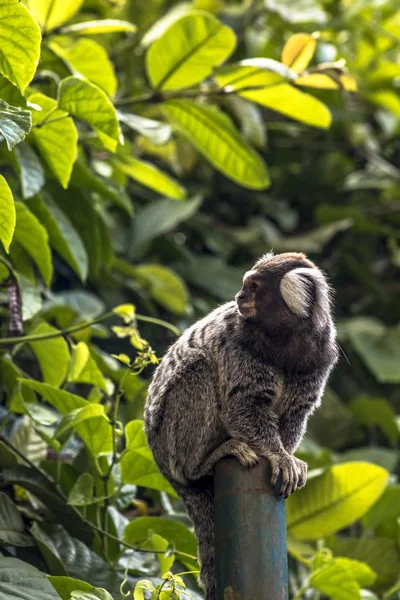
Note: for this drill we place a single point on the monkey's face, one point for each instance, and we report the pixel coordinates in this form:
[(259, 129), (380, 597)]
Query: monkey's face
[(282, 289)]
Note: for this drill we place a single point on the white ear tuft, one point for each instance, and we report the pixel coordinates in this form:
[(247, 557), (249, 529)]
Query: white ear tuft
[(297, 292)]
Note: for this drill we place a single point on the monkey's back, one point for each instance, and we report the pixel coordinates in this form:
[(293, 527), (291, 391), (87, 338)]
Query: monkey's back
[(181, 412)]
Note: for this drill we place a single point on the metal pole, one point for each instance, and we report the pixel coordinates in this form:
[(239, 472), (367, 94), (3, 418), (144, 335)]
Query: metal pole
[(250, 534)]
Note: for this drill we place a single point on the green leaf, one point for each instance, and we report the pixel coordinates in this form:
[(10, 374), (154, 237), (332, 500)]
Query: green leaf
[(157, 218), (380, 350), (20, 45), (140, 587), (150, 176), (335, 499), (155, 131), (82, 492), (84, 369), (212, 274), (158, 543), (63, 401), (52, 354), (31, 170), (26, 439), (137, 464), (382, 516), (15, 124), (100, 27), (176, 533), (214, 135), (53, 13), (47, 550), (34, 239), (12, 531), (274, 92), (21, 581), (72, 419), (7, 214), (341, 578), (384, 457), (164, 286), (74, 589), (83, 57), (376, 412), (57, 141), (62, 235), (88, 102), (188, 51)]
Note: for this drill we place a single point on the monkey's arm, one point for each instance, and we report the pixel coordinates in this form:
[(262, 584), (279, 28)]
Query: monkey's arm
[(248, 416)]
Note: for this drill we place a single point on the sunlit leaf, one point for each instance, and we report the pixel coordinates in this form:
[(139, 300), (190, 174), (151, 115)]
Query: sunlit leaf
[(150, 176), (57, 141), (188, 51), (32, 236), (335, 499), (52, 354), (88, 102), (7, 214), (83, 57), (214, 135), (20, 43), (100, 27), (341, 578), (325, 82), (81, 493), (52, 13), (164, 286), (155, 131), (298, 51), (83, 368), (303, 11)]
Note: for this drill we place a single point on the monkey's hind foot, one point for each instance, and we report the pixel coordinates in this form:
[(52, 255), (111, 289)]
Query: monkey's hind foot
[(245, 455)]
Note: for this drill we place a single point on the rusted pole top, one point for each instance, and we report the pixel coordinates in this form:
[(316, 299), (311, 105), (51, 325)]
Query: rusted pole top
[(250, 534)]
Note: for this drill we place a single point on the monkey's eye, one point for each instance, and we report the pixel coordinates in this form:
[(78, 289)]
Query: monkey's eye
[(253, 286)]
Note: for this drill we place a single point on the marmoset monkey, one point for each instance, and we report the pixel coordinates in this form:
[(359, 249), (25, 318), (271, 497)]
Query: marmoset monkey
[(242, 382)]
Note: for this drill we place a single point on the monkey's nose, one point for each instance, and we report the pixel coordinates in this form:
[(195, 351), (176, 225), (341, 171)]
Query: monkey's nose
[(240, 296)]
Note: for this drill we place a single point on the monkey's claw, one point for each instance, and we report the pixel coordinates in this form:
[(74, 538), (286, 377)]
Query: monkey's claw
[(245, 455), (288, 473)]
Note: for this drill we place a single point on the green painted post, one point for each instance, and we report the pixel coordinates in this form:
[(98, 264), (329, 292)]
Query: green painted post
[(250, 534)]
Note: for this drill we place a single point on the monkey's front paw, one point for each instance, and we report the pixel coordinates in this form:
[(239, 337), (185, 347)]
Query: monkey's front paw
[(285, 473), (245, 455), (302, 468)]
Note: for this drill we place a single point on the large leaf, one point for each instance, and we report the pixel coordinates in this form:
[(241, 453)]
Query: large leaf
[(137, 464), (31, 170), (212, 274), (20, 43), (57, 141), (62, 235), (150, 176), (157, 218), (100, 27), (63, 401), (83, 56), (34, 239), (273, 91), (380, 350), (52, 13), (52, 355), (7, 214), (11, 524), (341, 578), (376, 412), (214, 135), (48, 550), (164, 286), (88, 102), (26, 439), (188, 51), (335, 499), (384, 514), (15, 123), (176, 533), (84, 369), (21, 581)]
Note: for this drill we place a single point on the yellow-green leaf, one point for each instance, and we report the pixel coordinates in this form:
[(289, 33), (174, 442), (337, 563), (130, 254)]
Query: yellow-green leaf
[(88, 102), (81, 493), (84, 369), (126, 311), (335, 499), (188, 51), (324, 82), (34, 239), (83, 57), (164, 286), (72, 419), (7, 214), (20, 43), (52, 13), (52, 354), (273, 91), (150, 176), (57, 141), (99, 27), (341, 578), (214, 135), (298, 51)]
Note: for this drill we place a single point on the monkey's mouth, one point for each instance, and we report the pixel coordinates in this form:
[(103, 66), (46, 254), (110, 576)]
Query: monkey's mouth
[(246, 309)]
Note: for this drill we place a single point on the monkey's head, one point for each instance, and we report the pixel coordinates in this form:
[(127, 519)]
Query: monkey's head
[(285, 289)]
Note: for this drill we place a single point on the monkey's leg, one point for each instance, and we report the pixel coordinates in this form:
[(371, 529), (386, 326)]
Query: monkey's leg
[(198, 501), (240, 450)]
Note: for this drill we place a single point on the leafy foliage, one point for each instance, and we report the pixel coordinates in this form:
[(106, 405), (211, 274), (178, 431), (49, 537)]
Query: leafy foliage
[(149, 152)]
